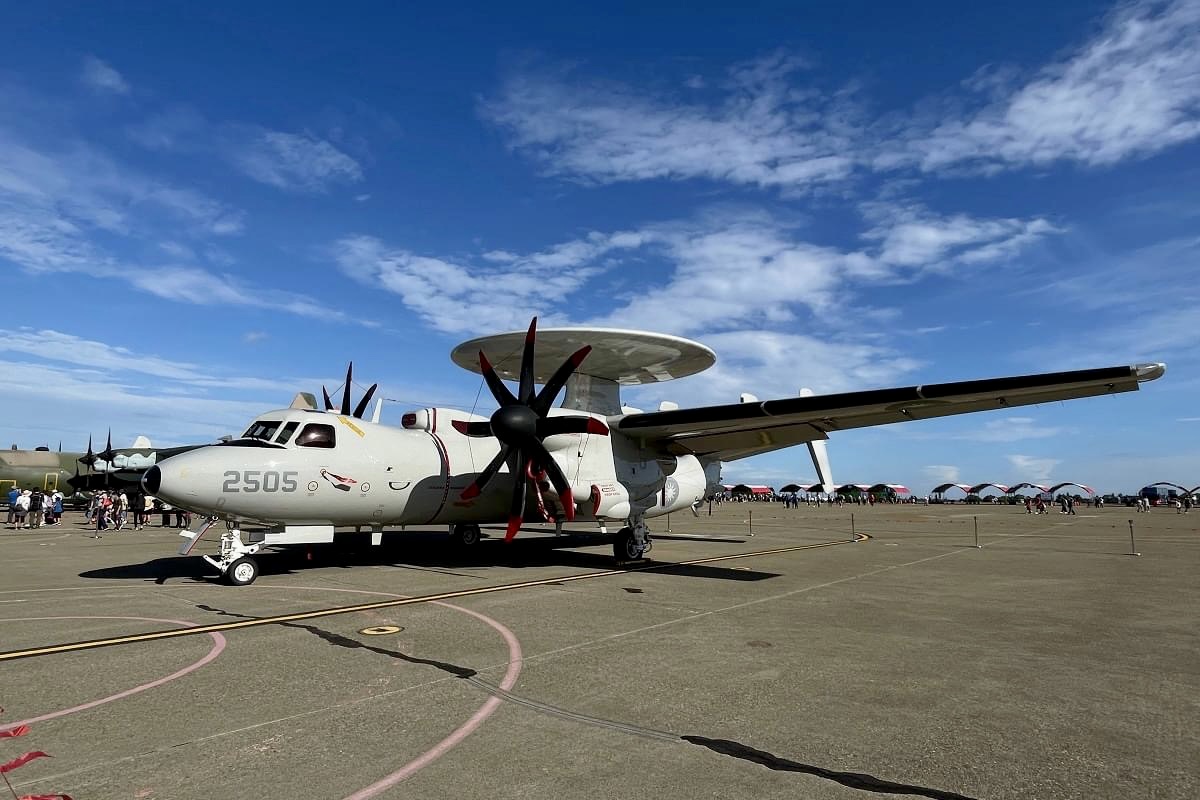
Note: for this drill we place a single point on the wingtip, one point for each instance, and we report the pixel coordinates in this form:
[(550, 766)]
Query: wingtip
[(1149, 371)]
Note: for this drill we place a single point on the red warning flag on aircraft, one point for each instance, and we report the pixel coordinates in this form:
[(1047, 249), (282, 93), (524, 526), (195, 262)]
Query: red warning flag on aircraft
[(21, 761), (12, 733)]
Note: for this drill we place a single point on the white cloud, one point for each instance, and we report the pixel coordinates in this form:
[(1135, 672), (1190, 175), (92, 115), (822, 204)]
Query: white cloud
[(100, 358), (763, 133), (300, 162), (1012, 429), (937, 474), (441, 291), (1131, 91), (102, 77), (1032, 468), (911, 236)]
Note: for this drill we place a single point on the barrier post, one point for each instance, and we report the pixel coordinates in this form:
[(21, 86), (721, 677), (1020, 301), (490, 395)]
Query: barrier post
[(1132, 547), (977, 547), (668, 522), (853, 534), (751, 522)]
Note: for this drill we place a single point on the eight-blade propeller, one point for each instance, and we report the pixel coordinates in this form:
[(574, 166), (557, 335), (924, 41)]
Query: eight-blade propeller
[(521, 424), (361, 408)]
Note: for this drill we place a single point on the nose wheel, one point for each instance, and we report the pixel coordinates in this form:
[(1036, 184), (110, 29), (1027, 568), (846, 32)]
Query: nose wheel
[(234, 560), (242, 572)]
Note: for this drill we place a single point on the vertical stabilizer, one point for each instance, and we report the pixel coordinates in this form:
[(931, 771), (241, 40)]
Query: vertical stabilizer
[(820, 456)]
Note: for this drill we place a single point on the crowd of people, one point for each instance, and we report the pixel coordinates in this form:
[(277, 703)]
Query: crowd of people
[(116, 509), (34, 508), (113, 509)]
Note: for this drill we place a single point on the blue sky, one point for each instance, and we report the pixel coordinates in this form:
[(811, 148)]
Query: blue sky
[(205, 210)]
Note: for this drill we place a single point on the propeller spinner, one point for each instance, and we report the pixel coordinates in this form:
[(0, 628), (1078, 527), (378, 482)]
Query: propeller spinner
[(522, 424)]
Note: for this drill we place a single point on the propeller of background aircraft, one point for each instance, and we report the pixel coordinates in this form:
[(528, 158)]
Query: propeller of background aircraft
[(361, 408), (522, 424)]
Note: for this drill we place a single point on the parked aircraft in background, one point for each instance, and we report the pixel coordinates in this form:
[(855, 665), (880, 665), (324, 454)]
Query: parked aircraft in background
[(303, 473), (71, 472)]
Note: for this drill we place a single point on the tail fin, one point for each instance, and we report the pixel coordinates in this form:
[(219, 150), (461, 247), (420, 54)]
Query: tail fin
[(304, 400), (820, 456)]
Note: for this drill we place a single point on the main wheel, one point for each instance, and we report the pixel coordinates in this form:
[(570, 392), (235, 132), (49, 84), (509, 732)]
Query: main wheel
[(626, 547), (242, 572), (466, 535)]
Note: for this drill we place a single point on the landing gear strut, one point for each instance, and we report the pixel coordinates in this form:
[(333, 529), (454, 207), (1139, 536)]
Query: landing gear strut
[(633, 541), (234, 560)]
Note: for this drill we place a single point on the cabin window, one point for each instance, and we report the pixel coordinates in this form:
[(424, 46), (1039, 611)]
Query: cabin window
[(315, 435), (285, 435), (264, 429)]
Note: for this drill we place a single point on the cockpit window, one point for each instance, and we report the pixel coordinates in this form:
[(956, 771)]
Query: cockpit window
[(263, 429), (285, 435), (315, 435)]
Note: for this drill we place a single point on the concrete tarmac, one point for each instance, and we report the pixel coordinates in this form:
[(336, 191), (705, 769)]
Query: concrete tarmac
[(1048, 663)]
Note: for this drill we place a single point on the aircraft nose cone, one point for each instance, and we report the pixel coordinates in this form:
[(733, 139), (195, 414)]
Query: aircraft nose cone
[(152, 480)]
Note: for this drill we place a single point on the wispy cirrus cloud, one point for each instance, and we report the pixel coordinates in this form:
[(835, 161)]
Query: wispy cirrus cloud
[(938, 474), (761, 131), (293, 161), (1131, 90), (1033, 468), (100, 76)]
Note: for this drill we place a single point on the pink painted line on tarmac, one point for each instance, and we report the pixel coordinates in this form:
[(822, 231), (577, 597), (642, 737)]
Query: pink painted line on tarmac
[(515, 661), (218, 647)]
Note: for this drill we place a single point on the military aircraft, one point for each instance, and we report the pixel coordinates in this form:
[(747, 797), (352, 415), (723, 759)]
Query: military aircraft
[(49, 471), (302, 473)]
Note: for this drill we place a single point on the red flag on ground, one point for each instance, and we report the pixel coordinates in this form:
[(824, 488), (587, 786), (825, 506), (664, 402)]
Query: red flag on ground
[(21, 761), (11, 733)]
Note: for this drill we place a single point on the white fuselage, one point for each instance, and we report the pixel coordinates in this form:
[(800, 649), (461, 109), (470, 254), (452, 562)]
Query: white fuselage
[(333, 469)]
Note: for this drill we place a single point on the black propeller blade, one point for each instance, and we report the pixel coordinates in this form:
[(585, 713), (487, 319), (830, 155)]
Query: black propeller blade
[(88, 458), (108, 453), (361, 408), (522, 424)]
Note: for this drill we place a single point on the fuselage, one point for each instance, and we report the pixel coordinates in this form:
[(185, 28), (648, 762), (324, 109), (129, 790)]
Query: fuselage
[(306, 467)]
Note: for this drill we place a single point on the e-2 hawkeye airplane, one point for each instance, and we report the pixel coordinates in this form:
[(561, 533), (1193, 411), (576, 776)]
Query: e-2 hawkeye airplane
[(301, 473)]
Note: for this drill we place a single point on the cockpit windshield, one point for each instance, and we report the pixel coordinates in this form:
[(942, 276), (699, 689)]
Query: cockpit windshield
[(264, 429), (285, 435)]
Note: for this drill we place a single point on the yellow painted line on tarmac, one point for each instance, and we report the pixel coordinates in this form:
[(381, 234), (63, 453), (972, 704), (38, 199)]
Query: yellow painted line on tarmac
[(175, 633)]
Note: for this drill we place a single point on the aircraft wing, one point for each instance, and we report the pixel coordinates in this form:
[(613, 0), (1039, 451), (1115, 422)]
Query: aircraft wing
[(739, 430)]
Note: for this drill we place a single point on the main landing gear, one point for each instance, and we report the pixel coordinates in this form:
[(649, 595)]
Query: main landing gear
[(465, 535), (632, 542)]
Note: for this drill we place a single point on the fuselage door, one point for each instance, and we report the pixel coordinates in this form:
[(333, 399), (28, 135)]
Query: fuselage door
[(50, 484)]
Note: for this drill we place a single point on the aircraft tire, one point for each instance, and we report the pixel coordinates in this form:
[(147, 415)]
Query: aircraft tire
[(625, 546), (242, 572), (466, 535)]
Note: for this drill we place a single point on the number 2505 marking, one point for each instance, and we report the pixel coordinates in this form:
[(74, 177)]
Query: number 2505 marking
[(254, 480)]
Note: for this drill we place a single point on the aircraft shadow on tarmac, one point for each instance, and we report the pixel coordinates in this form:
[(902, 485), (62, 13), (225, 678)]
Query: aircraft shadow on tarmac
[(426, 551)]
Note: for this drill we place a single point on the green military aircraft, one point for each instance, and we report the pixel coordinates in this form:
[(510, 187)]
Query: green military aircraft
[(117, 468)]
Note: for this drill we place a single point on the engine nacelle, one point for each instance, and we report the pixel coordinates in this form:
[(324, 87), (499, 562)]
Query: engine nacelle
[(686, 485), (608, 500)]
